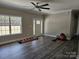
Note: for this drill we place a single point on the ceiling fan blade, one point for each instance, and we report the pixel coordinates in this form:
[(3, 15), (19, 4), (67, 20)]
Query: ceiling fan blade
[(39, 9), (37, 3), (33, 3), (45, 8), (44, 5)]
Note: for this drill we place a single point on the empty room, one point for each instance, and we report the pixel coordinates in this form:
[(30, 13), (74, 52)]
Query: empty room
[(39, 29)]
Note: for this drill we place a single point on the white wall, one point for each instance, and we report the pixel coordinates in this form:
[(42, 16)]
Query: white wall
[(57, 23), (27, 23)]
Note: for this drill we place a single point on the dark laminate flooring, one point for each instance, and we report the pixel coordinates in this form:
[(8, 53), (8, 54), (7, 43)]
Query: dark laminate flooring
[(43, 48)]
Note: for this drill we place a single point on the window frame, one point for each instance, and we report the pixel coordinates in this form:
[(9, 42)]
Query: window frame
[(20, 32), (20, 26)]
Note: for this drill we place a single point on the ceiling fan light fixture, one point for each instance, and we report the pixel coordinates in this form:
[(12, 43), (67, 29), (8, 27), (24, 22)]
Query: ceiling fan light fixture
[(39, 7)]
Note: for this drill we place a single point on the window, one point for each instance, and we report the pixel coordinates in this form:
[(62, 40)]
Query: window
[(15, 25), (4, 25), (38, 22), (10, 25)]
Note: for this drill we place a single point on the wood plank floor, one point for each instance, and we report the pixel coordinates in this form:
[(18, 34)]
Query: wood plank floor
[(38, 49)]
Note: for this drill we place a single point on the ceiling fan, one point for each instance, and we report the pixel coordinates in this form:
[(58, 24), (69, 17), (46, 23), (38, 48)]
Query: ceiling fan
[(39, 7)]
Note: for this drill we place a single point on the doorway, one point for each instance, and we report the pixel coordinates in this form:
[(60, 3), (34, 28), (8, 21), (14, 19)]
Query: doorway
[(37, 27)]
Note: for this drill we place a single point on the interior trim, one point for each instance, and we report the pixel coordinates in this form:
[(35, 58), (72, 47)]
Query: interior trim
[(50, 35), (1, 43), (56, 12)]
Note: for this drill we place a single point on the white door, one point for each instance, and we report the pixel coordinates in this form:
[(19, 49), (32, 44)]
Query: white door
[(37, 27)]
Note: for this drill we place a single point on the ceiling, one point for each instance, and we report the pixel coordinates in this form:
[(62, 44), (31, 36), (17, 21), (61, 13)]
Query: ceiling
[(55, 5)]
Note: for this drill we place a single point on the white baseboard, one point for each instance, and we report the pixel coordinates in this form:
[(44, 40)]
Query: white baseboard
[(9, 41), (55, 36), (1, 43), (50, 35), (15, 40)]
